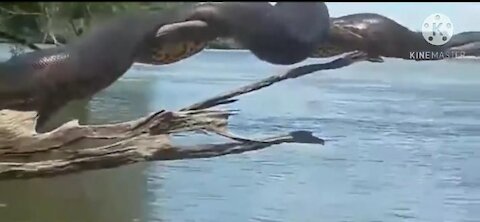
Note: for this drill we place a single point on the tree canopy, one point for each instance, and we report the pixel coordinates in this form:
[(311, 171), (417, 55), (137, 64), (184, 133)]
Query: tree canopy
[(58, 22), (30, 23)]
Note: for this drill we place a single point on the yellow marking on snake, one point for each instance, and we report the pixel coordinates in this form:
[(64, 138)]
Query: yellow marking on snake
[(327, 51), (171, 53)]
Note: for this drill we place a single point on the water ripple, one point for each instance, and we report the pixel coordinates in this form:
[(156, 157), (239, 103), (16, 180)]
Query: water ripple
[(402, 145)]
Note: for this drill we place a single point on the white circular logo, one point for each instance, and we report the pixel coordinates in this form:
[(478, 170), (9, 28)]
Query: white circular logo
[(437, 29)]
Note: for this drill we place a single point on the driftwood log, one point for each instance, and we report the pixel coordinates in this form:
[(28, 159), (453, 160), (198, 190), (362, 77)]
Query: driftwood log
[(73, 147)]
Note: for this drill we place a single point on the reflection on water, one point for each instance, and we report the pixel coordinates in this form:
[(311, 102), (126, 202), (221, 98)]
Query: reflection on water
[(402, 146), (106, 195)]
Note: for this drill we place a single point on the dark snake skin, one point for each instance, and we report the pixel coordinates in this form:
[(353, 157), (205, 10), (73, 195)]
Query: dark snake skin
[(380, 36), (46, 80)]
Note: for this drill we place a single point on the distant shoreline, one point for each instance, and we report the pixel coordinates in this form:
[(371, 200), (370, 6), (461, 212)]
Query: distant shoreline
[(5, 49), (216, 44), (4, 46)]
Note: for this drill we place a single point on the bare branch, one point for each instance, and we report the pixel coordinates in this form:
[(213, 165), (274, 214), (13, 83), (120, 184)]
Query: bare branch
[(293, 73), (73, 148)]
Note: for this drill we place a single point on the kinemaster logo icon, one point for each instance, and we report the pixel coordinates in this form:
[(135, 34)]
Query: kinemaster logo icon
[(437, 29)]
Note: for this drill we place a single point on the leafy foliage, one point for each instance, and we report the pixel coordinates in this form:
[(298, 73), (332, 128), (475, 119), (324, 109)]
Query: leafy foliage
[(25, 23), (46, 21)]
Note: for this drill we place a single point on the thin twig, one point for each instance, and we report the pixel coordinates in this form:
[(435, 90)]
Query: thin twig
[(293, 73)]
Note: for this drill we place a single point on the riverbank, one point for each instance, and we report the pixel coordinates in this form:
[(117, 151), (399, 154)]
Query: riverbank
[(219, 44), (216, 44)]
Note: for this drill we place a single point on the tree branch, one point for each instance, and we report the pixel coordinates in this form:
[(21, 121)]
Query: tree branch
[(73, 148), (291, 74)]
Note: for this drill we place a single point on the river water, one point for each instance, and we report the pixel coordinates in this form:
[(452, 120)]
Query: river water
[(402, 145)]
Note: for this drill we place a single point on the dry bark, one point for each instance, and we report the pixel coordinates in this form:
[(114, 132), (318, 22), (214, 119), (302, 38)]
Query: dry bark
[(73, 147)]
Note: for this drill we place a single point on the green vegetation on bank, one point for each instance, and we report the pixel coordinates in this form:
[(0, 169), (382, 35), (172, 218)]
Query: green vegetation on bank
[(60, 22)]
